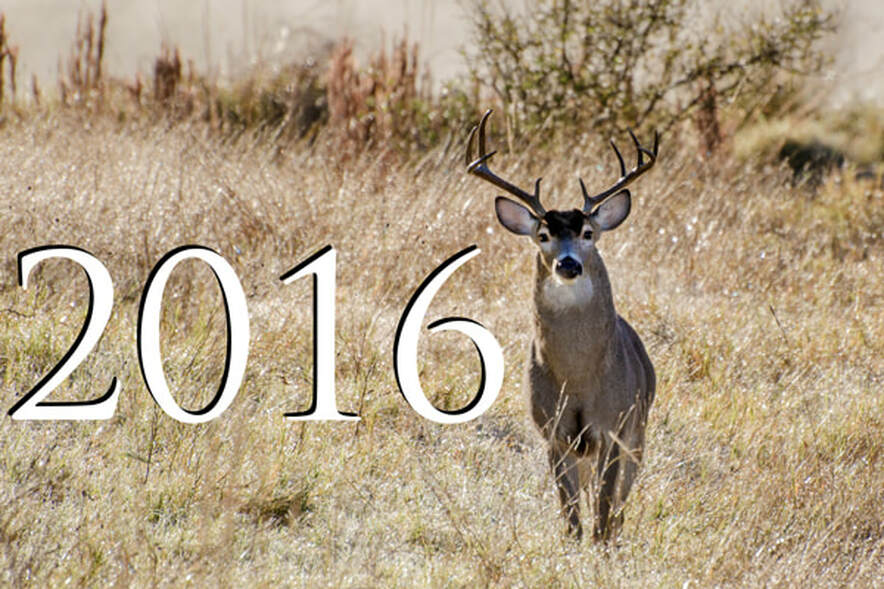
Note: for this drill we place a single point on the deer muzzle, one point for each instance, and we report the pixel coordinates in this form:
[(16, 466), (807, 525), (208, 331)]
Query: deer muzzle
[(568, 268)]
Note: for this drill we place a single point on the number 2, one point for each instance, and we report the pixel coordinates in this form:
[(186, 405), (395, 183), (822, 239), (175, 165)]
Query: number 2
[(101, 300)]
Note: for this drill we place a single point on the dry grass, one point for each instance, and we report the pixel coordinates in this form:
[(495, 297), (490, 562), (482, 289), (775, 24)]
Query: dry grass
[(386, 102), (10, 53), (856, 130), (761, 306)]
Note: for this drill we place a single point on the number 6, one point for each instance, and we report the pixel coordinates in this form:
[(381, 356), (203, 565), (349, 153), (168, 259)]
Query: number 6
[(405, 348)]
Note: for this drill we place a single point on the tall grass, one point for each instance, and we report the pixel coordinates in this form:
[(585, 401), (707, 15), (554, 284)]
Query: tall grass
[(385, 102), (8, 55), (761, 307)]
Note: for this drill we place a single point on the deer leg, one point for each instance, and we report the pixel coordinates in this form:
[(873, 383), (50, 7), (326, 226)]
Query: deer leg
[(628, 472), (633, 438), (608, 468), (564, 468), (629, 469)]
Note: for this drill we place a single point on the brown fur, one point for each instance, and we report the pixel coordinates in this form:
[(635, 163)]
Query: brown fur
[(589, 380), (589, 384)]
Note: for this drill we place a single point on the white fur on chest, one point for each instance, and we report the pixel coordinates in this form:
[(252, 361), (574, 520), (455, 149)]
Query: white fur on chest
[(562, 296)]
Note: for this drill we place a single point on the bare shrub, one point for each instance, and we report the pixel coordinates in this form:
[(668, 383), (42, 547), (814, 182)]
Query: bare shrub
[(706, 119), (285, 102), (9, 52), (390, 101), (82, 84), (613, 62), (166, 74)]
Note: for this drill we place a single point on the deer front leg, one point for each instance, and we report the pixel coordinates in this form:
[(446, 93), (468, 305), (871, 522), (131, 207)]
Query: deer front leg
[(564, 469), (608, 469)]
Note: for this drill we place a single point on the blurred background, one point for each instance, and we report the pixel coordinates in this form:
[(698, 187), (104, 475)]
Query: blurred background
[(224, 36)]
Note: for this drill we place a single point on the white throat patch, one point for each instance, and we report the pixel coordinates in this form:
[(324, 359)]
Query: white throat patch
[(561, 296)]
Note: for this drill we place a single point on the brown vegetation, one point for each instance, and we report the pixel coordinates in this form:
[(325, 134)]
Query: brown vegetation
[(82, 82), (10, 53)]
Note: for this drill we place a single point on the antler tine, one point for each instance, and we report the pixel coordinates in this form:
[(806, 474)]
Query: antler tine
[(619, 158), (644, 150), (638, 146), (626, 178), (469, 152), (482, 131), (479, 167), (587, 200)]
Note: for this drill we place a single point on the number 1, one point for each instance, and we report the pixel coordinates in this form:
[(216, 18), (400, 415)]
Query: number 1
[(322, 266)]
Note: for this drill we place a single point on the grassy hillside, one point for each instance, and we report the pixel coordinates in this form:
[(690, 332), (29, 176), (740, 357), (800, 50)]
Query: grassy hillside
[(760, 304)]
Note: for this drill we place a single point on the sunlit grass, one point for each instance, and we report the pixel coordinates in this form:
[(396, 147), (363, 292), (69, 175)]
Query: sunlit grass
[(760, 305)]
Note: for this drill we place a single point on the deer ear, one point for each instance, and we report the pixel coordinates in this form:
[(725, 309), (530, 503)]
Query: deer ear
[(613, 211), (514, 216)]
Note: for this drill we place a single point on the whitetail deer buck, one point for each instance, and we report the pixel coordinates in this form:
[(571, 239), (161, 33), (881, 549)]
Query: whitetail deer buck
[(588, 378)]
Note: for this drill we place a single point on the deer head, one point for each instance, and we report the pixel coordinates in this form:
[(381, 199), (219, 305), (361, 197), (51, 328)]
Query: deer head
[(566, 239)]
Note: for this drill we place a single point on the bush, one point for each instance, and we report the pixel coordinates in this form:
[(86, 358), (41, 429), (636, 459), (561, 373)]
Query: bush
[(606, 63)]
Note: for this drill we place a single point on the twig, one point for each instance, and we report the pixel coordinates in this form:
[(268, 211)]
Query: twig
[(780, 325)]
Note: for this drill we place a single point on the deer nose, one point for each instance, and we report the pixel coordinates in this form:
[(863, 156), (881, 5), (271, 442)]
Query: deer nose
[(568, 268)]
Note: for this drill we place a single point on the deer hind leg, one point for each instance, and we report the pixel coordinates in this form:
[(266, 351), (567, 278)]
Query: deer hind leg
[(617, 473), (629, 470), (606, 520), (564, 469), (633, 439)]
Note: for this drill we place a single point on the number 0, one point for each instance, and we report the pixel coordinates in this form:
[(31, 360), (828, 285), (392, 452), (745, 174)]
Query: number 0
[(237, 334)]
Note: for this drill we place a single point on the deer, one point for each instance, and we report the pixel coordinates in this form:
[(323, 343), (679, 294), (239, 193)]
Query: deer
[(588, 380)]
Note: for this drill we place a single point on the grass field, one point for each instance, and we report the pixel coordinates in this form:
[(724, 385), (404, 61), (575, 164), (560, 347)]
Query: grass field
[(761, 305), (761, 308)]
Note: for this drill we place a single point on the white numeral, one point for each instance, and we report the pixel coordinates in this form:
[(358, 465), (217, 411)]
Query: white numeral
[(405, 348), (322, 266), (101, 300), (237, 334)]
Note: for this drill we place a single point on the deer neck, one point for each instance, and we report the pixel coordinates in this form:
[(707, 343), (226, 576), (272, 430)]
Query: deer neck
[(574, 323)]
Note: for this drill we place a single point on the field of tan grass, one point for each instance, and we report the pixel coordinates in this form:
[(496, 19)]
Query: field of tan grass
[(760, 300), (761, 306)]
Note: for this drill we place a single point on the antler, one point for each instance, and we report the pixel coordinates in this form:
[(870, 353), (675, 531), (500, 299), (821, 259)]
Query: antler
[(640, 168), (479, 167)]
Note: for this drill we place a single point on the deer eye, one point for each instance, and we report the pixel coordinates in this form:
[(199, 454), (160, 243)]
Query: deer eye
[(543, 237), (587, 234)]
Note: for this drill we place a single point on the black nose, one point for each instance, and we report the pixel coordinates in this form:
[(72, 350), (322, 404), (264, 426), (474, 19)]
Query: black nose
[(568, 268)]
